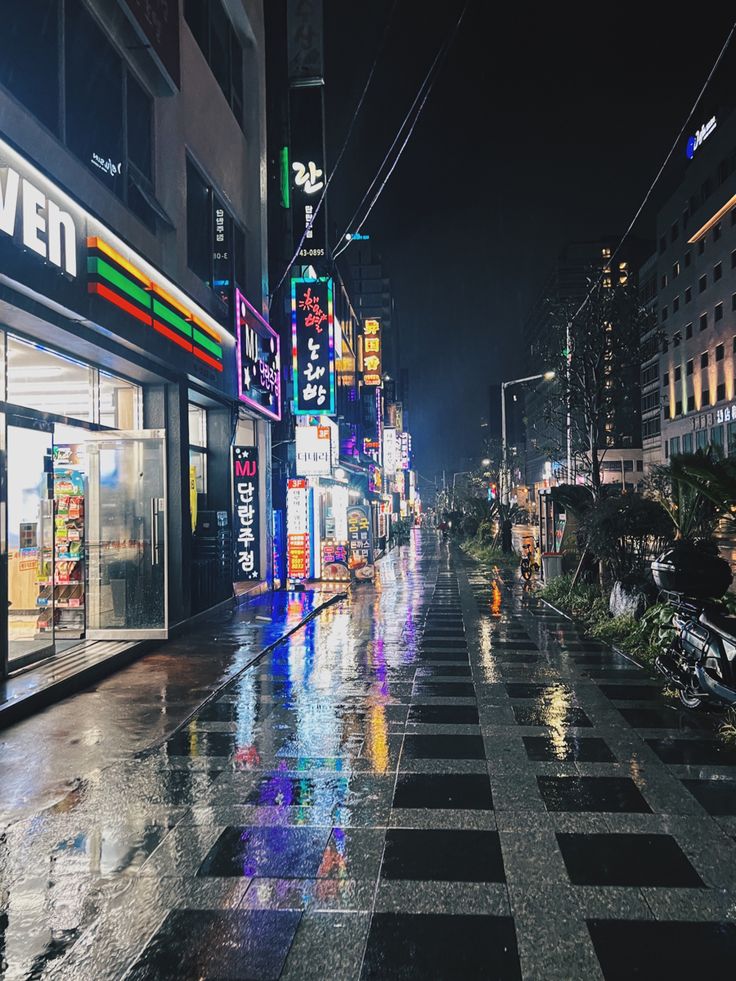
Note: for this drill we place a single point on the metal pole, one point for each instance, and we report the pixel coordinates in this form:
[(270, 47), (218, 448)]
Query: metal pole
[(504, 482)]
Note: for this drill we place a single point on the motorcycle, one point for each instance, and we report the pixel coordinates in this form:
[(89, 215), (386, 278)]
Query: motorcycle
[(700, 662), (527, 565)]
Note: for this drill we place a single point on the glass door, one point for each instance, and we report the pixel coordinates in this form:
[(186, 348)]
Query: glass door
[(126, 536), (30, 542)]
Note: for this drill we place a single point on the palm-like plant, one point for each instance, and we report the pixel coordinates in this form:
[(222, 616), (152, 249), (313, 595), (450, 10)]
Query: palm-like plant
[(682, 489)]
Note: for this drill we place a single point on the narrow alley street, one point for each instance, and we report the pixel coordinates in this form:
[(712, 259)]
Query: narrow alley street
[(435, 778)]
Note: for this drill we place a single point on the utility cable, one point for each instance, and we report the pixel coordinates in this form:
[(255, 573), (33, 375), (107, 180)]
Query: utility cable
[(641, 207), (343, 148), (427, 83)]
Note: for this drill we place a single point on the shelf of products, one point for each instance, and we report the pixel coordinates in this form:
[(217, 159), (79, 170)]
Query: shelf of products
[(62, 599)]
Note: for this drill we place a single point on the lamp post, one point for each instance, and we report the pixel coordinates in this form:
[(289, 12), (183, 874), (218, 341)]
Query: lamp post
[(504, 475)]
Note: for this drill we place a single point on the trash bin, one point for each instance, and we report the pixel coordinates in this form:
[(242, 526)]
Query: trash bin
[(551, 565)]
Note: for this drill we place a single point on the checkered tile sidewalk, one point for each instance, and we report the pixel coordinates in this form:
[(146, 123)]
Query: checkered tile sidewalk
[(425, 784)]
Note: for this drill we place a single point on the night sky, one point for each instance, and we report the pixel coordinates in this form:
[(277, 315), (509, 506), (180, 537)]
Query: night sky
[(537, 132)]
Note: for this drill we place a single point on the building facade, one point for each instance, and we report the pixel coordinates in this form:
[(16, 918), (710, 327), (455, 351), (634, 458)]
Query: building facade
[(132, 218), (696, 296)]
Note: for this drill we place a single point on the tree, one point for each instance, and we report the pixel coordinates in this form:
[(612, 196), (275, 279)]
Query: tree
[(594, 351), (693, 513)]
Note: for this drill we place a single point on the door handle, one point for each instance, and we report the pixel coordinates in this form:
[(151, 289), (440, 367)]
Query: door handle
[(154, 531)]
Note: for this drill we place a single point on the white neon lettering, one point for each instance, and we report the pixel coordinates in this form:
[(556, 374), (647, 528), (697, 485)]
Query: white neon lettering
[(61, 220), (33, 221), (9, 201)]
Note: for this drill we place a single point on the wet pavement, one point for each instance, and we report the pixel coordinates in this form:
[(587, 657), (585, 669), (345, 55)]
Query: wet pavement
[(437, 778)]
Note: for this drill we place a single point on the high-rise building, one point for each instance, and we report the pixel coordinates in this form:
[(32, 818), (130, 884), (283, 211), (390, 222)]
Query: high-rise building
[(651, 400), (546, 457), (696, 295), (371, 293)]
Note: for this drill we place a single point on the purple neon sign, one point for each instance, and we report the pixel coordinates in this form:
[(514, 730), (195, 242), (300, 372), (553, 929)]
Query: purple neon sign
[(259, 360)]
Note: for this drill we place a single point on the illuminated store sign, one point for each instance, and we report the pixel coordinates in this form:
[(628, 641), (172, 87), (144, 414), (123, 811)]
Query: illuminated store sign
[(313, 451), (308, 179), (313, 346), (390, 451), (37, 221), (297, 529), (372, 352), (246, 513), (701, 135), (48, 243), (405, 451), (259, 360)]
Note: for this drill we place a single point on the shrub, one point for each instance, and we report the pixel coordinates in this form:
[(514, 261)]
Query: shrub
[(625, 530)]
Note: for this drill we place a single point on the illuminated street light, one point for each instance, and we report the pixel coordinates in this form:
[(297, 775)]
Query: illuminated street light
[(485, 463), (504, 475)]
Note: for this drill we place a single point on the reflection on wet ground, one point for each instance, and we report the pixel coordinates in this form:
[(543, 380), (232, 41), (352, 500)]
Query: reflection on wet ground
[(437, 778)]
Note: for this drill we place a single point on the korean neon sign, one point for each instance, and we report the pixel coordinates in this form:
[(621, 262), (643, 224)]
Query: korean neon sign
[(372, 353), (313, 346), (259, 360)]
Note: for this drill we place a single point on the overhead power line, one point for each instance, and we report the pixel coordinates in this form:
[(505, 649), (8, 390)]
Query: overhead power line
[(661, 170), (340, 155), (411, 120)]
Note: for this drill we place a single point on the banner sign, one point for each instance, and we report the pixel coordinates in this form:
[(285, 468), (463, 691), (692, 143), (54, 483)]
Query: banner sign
[(246, 513), (305, 40), (259, 360), (390, 452), (307, 172), (335, 560), (313, 451), (360, 541), (313, 346), (372, 353), (297, 529)]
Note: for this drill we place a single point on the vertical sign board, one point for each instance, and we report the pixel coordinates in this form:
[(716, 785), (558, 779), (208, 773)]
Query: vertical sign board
[(313, 451), (313, 346), (246, 513), (305, 40), (259, 360), (360, 541), (372, 353), (297, 529), (405, 450), (307, 173)]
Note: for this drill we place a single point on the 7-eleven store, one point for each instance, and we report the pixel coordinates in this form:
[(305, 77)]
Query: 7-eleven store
[(118, 408)]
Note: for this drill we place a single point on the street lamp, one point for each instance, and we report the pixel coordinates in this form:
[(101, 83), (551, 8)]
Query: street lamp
[(544, 376), (485, 463)]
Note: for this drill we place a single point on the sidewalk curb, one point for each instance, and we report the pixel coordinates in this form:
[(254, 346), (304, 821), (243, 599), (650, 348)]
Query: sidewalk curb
[(214, 695), (613, 647)]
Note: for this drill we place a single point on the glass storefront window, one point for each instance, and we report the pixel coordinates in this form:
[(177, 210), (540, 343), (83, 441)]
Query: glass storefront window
[(39, 379), (198, 445), (119, 403)]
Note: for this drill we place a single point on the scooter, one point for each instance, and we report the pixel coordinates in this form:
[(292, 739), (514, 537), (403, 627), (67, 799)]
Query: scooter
[(701, 660), (527, 566)]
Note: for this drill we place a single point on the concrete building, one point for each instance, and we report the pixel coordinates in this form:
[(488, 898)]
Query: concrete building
[(651, 396), (132, 170), (696, 295)]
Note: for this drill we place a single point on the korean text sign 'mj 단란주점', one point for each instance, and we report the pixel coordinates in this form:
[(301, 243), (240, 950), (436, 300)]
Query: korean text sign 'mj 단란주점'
[(259, 360), (246, 513), (313, 346)]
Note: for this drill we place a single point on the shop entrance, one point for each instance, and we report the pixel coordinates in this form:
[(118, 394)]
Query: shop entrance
[(86, 537)]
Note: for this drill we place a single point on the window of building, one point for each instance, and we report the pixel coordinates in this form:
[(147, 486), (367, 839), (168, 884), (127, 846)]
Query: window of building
[(720, 392), (687, 443), (663, 281), (688, 331), (675, 270), (675, 446), (688, 294), (689, 367), (215, 243), (676, 304), (109, 115), (716, 232), (719, 312), (731, 438), (663, 314), (678, 373), (717, 271), (733, 216), (221, 46), (666, 380), (691, 403), (703, 321), (704, 360), (676, 338), (651, 427), (119, 402), (678, 408), (701, 246), (674, 231), (662, 244), (701, 439), (702, 284), (687, 258), (198, 446), (733, 259), (30, 56), (719, 352)]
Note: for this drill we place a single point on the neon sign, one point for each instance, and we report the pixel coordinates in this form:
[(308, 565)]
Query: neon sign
[(259, 360), (313, 346), (701, 135), (372, 353), (246, 513)]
